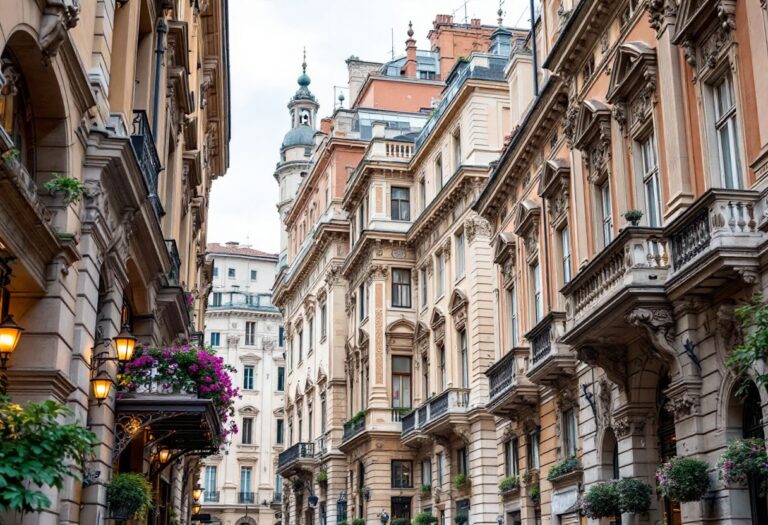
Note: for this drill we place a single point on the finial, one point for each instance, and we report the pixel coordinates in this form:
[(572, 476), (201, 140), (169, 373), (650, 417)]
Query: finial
[(304, 62), (410, 29), (500, 12)]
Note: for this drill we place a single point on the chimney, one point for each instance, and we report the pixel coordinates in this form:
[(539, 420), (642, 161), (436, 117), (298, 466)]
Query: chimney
[(475, 22), (410, 53), (325, 125), (379, 129)]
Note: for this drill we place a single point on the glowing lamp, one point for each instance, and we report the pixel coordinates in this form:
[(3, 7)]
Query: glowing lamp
[(125, 344), (197, 492), (102, 385), (10, 333), (164, 455), (196, 508)]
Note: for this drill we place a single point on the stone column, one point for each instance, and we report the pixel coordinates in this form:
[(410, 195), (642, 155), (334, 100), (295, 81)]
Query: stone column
[(483, 470), (377, 396)]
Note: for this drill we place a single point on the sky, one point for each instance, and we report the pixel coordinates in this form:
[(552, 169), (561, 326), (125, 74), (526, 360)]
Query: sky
[(266, 42)]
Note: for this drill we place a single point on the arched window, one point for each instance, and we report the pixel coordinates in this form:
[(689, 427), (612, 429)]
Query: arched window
[(752, 427), (15, 109)]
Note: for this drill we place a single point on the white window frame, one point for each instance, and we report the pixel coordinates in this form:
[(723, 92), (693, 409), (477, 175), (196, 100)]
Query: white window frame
[(250, 333), (249, 373), (725, 122), (538, 296), (460, 255), (606, 211), (649, 170), (565, 253)]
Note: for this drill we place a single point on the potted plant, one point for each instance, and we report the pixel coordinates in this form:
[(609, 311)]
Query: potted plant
[(423, 518), (634, 495), (600, 501), (358, 521), (129, 495), (461, 481), (26, 431), (425, 489), (743, 458), (322, 476), (72, 189), (562, 468), (365, 492), (535, 494), (530, 477), (400, 521), (633, 216), (683, 479), (297, 485), (509, 484)]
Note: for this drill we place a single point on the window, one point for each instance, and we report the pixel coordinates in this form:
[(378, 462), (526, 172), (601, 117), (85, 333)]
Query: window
[(423, 286), (439, 173), (215, 271), (245, 484), (457, 149), (290, 432), (248, 378), (215, 338), (401, 288), (443, 377), (216, 299), (323, 414), (426, 472), (650, 167), (440, 276), (401, 204), (569, 433), (311, 335), (607, 214), (538, 304), (301, 346), (423, 193), (280, 432), (210, 483), (511, 459), (246, 433), (533, 449), (310, 424), (281, 337), (426, 75), (440, 468), (361, 218), (250, 333), (460, 256), (512, 301), (401, 382), (402, 475), (727, 134), (462, 463), (464, 358), (290, 354), (254, 275), (565, 249), (280, 378), (231, 273), (323, 321), (425, 377)]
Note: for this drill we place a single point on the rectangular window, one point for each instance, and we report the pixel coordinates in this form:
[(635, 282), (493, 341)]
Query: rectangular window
[(280, 432), (401, 382), (280, 379), (402, 474), (511, 459), (323, 321), (426, 472), (423, 194), (245, 484), (565, 248), (457, 149), (250, 333), (462, 463), (254, 275), (607, 213), (310, 424), (440, 275), (231, 273), (361, 218), (423, 286), (246, 432), (727, 133), (513, 329), (248, 378), (460, 265), (210, 483), (533, 449), (281, 337), (401, 288), (439, 173), (652, 192), (311, 335), (538, 300), (216, 299), (361, 301), (215, 339), (215, 271), (323, 414), (301, 345), (569, 433), (443, 371), (401, 204), (464, 358), (440, 468)]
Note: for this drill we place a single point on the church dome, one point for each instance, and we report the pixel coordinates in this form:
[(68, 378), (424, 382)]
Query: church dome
[(301, 136)]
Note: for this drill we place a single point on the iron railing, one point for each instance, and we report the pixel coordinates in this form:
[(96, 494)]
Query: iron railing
[(352, 428), (211, 496), (295, 453), (246, 497), (501, 376), (146, 155)]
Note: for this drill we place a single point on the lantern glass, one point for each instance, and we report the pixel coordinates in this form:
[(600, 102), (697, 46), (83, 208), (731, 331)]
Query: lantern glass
[(164, 455), (101, 388), (195, 509), (10, 333), (197, 492), (125, 344)]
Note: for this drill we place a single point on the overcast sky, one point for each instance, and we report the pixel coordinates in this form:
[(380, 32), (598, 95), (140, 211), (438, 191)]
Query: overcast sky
[(266, 40)]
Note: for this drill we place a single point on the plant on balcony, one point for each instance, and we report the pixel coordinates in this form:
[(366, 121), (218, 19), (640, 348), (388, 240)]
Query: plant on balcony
[(633, 216), (402, 411), (566, 466), (530, 476), (461, 481), (357, 418), (426, 489), (342, 522), (754, 349), (189, 301), (535, 494), (73, 189), (297, 485), (185, 369), (462, 518), (423, 518), (10, 155), (634, 495), (358, 521), (509, 484), (400, 521), (129, 495), (600, 501), (743, 458), (322, 476), (683, 479), (38, 450)]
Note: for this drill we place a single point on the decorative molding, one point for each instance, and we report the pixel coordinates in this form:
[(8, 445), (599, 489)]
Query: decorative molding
[(59, 16), (476, 227)]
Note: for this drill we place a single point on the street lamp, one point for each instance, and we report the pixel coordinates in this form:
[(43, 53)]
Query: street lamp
[(125, 344), (10, 332), (164, 455), (196, 509), (102, 385), (197, 492)]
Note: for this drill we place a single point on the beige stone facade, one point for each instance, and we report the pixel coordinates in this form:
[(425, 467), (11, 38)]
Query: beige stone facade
[(129, 99)]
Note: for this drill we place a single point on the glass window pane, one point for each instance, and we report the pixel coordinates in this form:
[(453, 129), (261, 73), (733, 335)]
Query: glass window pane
[(401, 365)]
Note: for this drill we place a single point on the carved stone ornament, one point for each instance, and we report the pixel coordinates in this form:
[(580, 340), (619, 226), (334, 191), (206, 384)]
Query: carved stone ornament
[(614, 366), (555, 188), (659, 325), (629, 426), (728, 325), (659, 11), (476, 226), (682, 406), (569, 127), (593, 136), (59, 16), (606, 402)]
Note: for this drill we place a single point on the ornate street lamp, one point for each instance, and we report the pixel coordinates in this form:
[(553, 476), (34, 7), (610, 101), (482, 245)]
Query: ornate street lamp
[(384, 517), (164, 455), (196, 509), (125, 344), (10, 332), (102, 385), (197, 492)]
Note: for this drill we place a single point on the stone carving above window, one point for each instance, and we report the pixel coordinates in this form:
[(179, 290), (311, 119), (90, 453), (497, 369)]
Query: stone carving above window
[(438, 325), (458, 308), (504, 255), (527, 222), (59, 16), (632, 89), (593, 137), (555, 188), (704, 28)]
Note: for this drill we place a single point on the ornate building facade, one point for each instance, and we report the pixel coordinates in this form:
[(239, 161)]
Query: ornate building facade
[(127, 103)]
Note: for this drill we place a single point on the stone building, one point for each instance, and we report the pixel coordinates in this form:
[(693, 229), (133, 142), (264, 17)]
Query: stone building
[(243, 326), (128, 103)]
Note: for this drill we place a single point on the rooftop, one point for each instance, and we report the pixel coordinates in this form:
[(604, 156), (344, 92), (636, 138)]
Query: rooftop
[(234, 248)]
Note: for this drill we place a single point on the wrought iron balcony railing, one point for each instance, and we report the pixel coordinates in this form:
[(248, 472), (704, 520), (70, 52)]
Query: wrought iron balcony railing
[(352, 428), (246, 497), (211, 496), (295, 453), (146, 155), (174, 275), (451, 401), (502, 376)]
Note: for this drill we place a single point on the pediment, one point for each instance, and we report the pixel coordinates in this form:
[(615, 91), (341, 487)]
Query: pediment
[(298, 394), (308, 386), (593, 122), (504, 247), (694, 17), (635, 66), (458, 301), (437, 318), (401, 327), (527, 217), (422, 331), (279, 412), (248, 410), (555, 177), (321, 375), (362, 338)]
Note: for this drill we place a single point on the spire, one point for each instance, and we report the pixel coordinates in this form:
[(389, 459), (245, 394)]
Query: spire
[(500, 12), (410, 29), (304, 62), (304, 79)]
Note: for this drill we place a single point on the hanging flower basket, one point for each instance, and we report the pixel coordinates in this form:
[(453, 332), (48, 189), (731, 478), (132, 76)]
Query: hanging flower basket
[(743, 458), (634, 496), (129, 495), (683, 479), (600, 501)]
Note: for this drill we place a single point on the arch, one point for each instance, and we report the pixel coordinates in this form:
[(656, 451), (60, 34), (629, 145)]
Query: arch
[(245, 520), (608, 455), (248, 410), (401, 326)]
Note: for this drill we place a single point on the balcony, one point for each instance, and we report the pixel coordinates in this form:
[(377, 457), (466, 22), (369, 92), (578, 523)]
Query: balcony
[(390, 150), (715, 240), (246, 497), (277, 500), (146, 155), (353, 428), (172, 278), (550, 359), (321, 447), (628, 274), (510, 389), (299, 457), (211, 496), (437, 416)]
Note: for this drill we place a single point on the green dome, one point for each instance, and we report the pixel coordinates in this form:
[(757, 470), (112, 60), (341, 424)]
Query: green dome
[(304, 80)]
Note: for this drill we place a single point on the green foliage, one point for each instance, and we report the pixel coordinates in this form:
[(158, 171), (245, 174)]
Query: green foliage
[(72, 188), (743, 458), (11, 154), (400, 521), (322, 476), (754, 321), (683, 479), (426, 488), (358, 521), (357, 418), (564, 467), (460, 481), (600, 501), (297, 485), (633, 216), (342, 522), (402, 411), (510, 483), (530, 476), (423, 518), (534, 493), (634, 495), (128, 495), (462, 518), (37, 450)]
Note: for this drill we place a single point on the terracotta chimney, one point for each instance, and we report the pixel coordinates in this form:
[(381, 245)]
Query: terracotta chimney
[(410, 53), (475, 22), (325, 125)]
